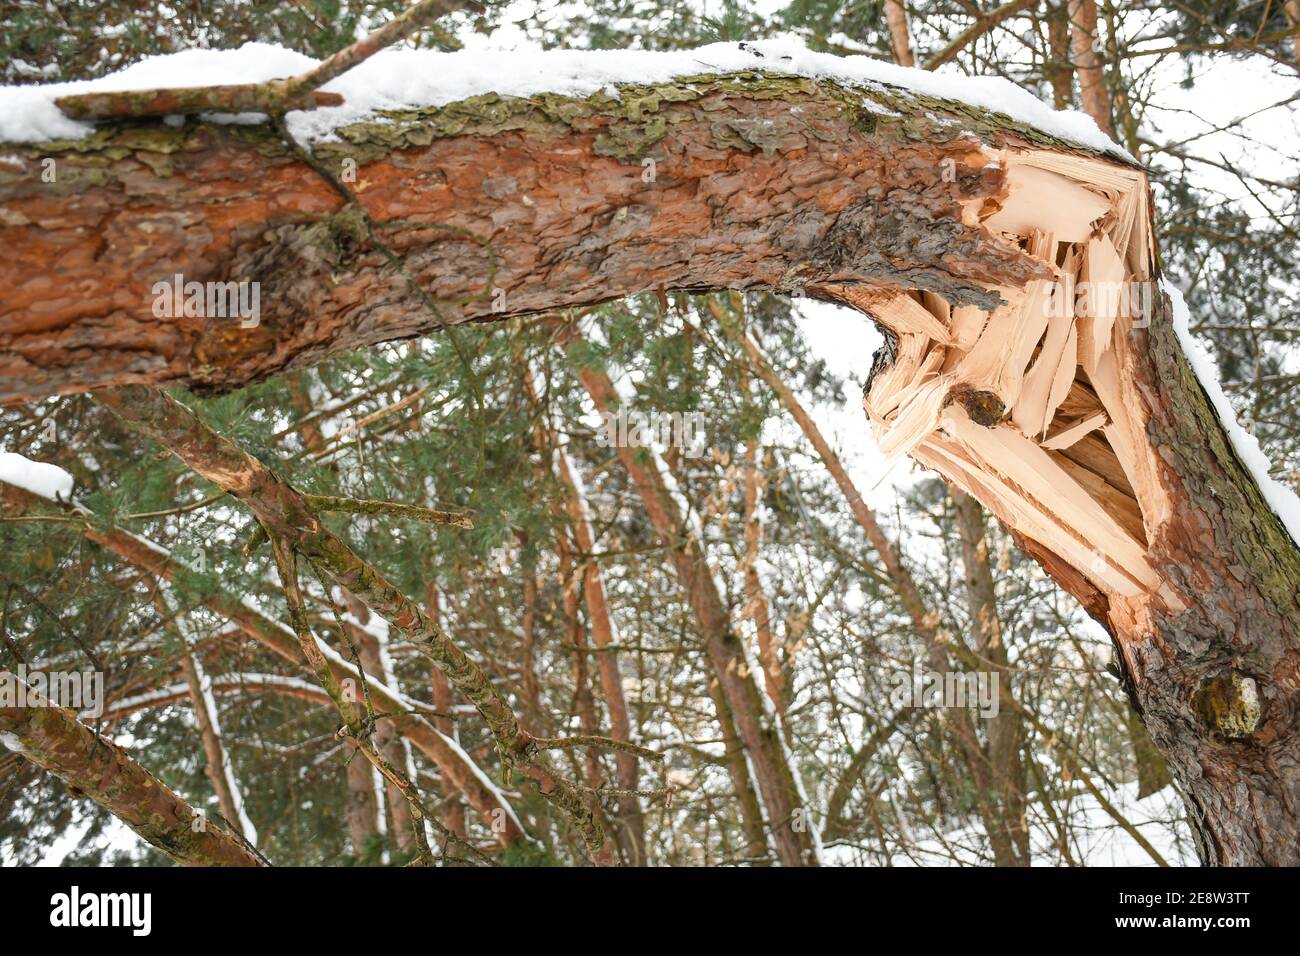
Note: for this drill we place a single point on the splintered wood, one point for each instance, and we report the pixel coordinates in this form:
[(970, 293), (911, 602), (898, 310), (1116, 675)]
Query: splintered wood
[(1027, 407)]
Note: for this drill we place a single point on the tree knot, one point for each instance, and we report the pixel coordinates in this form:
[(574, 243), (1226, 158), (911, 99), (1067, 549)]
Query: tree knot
[(1229, 703)]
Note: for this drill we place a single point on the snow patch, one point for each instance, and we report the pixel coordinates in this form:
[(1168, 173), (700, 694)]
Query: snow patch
[(38, 477), (405, 78), (1281, 498)]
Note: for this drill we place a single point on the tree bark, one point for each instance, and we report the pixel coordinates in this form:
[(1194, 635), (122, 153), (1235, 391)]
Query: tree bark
[(361, 802), (756, 607), (899, 38), (1060, 68), (1087, 62), (611, 679), (53, 739), (1009, 831), (388, 738), (543, 200)]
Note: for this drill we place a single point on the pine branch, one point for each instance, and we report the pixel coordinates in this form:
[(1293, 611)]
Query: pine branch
[(366, 506), (601, 743)]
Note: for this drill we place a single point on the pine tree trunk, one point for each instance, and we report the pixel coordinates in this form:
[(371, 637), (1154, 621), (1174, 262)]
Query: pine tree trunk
[(1009, 835), (611, 679), (1087, 62)]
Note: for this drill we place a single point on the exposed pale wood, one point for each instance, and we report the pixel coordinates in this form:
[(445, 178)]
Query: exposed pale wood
[(1020, 512), (1025, 406), (1048, 380), (903, 313), (1006, 452), (1122, 507), (1068, 436), (968, 322), (917, 417), (1080, 402), (1050, 202), (1093, 451), (1103, 275)]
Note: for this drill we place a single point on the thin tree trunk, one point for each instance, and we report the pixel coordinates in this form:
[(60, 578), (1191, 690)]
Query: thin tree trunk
[(218, 769), (756, 607), (212, 748), (900, 40), (388, 739), (529, 687), (1010, 835), (584, 701), (611, 679), (1060, 68), (361, 804), (760, 734), (752, 822), (1087, 62), (576, 509), (444, 699)]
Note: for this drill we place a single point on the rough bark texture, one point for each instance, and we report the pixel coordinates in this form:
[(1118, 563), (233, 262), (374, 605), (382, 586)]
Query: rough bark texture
[(1008, 828), (1233, 750), (53, 738), (361, 806), (545, 200)]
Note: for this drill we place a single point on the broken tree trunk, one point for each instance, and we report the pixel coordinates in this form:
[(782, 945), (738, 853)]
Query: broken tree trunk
[(1079, 425)]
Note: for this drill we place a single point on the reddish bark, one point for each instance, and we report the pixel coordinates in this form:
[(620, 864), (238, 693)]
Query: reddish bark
[(746, 193)]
